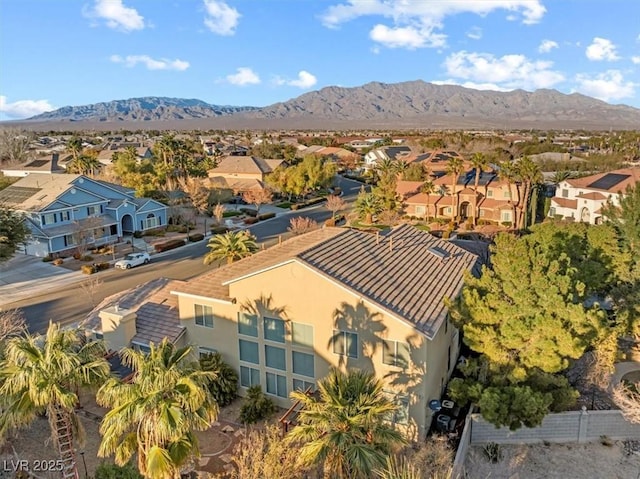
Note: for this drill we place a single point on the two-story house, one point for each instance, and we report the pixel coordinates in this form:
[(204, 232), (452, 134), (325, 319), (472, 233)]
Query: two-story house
[(63, 211), (495, 198), (332, 297), (582, 199), (242, 173)]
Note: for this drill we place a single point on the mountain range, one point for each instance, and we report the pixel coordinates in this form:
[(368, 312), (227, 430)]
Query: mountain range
[(413, 104)]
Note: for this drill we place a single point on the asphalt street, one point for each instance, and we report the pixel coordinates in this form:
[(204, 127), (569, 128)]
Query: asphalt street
[(72, 302)]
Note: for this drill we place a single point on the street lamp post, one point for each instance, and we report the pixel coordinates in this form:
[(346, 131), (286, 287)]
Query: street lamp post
[(84, 463)]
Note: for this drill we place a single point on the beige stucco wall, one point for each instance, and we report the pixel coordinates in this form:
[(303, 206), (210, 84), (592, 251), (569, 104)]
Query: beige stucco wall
[(305, 296)]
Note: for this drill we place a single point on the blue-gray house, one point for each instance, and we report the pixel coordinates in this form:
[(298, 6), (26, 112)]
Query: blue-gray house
[(64, 211)]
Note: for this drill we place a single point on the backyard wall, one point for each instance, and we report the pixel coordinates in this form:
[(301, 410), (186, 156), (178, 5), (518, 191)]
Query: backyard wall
[(573, 426)]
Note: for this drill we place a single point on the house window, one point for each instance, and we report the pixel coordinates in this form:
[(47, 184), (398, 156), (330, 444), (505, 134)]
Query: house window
[(65, 215), (277, 385), (150, 222), (447, 210), (303, 364), (489, 193), (274, 329), (249, 351), (249, 377), (94, 210), (345, 343), (395, 353), (302, 385), (302, 334), (49, 219), (275, 358), (420, 210), (506, 194), (565, 193), (401, 414), (505, 216), (248, 324), (204, 315), (483, 213), (68, 240), (204, 352), (552, 211)]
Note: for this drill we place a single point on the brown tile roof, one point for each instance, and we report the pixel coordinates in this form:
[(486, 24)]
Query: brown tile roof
[(565, 202), (585, 182), (156, 310), (405, 280), (399, 274), (241, 164), (404, 188), (594, 195)]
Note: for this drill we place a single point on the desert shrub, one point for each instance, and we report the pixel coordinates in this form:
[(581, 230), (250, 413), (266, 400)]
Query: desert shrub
[(173, 228), (196, 237), (86, 257), (57, 261), (217, 230), (224, 388), (446, 234), (251, 221), (493, 452), (112, 471), (88, 269), (330, 222), (256, 406), (337, 190), (295, 207), (77, 256), (102, 266), (47, 259), (183, 229), (137, 234), (249, 212), (266, 216), (168, 245)]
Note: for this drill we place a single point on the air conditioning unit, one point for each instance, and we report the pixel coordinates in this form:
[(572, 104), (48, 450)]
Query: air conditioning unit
[(446, 404)]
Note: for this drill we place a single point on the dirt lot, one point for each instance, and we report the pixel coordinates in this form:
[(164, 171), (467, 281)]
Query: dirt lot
[(561, 461), (34, 444)]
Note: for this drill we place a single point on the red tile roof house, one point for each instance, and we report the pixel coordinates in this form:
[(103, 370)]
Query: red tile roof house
[(582, 199)]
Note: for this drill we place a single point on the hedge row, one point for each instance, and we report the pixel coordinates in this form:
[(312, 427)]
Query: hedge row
[(249, 212), (250, 221), (266, 216), (216, 230), (167, 245), (196, 237), (311, 202)]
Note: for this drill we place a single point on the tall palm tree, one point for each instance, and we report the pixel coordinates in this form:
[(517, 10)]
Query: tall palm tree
[(230, 246), (455, 166), (507, 173), (74, 145), (427, 188), (530, 175), (479, 163), (43, 374), (345, 427), (155, 415), (367, 205)]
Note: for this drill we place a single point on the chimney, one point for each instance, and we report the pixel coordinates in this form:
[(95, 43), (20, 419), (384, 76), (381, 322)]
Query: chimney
[(118, 326)]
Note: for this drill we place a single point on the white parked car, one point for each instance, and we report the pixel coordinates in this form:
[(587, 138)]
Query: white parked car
[(133, 259)]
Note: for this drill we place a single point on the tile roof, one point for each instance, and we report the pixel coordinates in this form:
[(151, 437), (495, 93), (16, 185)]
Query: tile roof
[(404, 188), (594, 195), (241, 164), (396, 271), (588, 181), (565, 202), (156, 310)]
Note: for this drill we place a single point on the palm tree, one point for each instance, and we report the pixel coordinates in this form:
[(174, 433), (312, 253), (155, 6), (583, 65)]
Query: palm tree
[(85, 164), (479, 162), (529, 173), (232, 246), (345, 426), (455, 166), (367, 205), (43, 374), (427, 188), (74, 145), (154, 416)]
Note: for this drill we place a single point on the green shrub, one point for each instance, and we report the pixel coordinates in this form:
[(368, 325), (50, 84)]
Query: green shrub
[(102, 266), (229, 214), (88, 269), (168, 245), (249, 212), (196, 237), (217, 230), (284, 204), (183, 229), (86, 257), (137, 234), (47, 259), (251, 221), (111, 471), (256, 406), (314, 201), (224, 388), (266, 216), (57, 261)]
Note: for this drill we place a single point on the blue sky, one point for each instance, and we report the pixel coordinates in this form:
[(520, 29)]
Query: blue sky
[(55, 53)]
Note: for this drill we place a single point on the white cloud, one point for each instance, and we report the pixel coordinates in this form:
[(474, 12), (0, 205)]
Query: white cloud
[(606, 86), (24, 108), (244, 76), (602, 49), (417, 24), (151, 63), (547, 45), (305, 80), (475, 33), (506, 72), (470, 84), (636, 60), (116, 15), (221, 18)]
